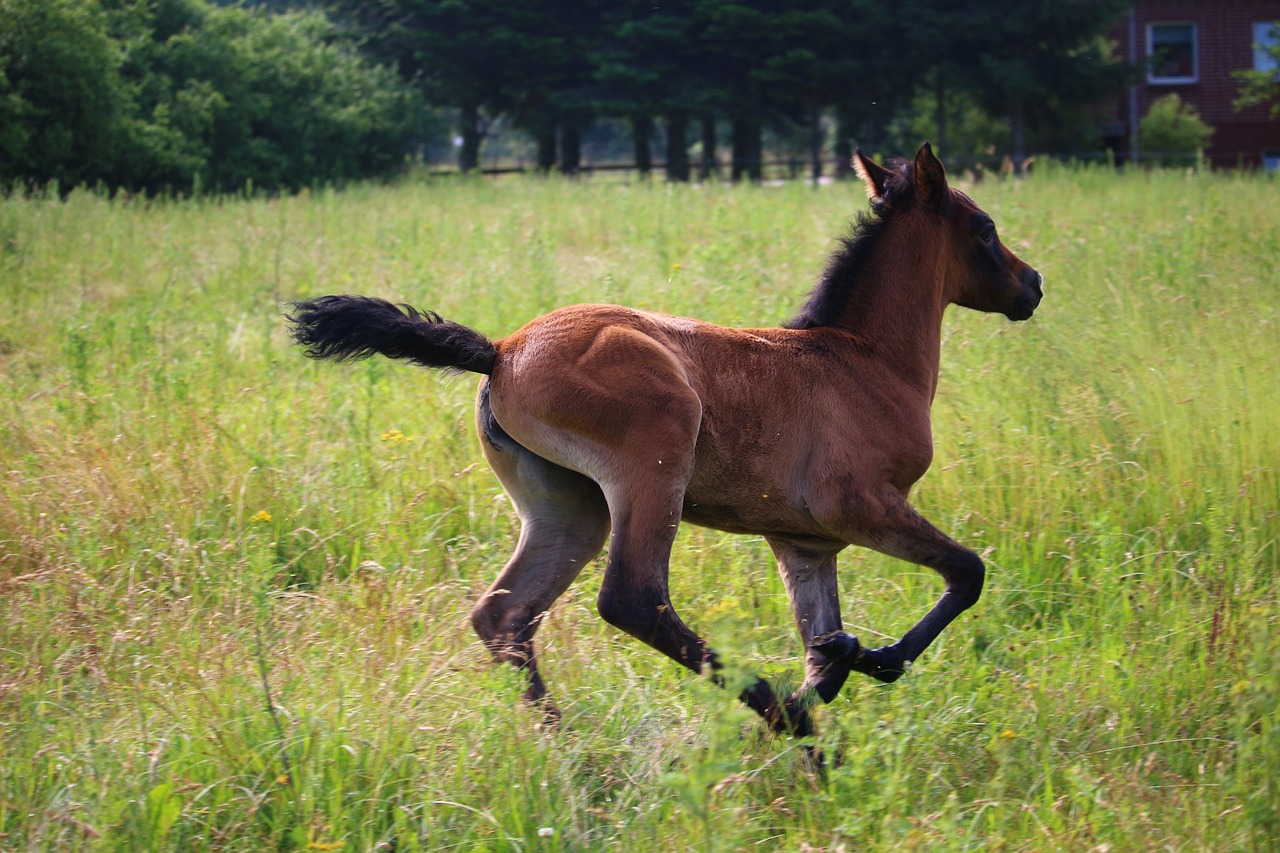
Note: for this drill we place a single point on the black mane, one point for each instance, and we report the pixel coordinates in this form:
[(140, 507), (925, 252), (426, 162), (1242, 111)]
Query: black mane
[(839, 279)]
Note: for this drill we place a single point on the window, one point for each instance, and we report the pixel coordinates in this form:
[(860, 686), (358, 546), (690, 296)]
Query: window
[(1266, 38), (1171, 50), (1271, 159)]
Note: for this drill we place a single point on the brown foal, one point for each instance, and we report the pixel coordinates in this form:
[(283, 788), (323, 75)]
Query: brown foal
[(608, 423)]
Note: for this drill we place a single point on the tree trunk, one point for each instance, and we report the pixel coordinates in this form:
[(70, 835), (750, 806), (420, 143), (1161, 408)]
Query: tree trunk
[(1018, 126), (815, 145), (471, 132), (844, 145), (546, 149), (677, 152), (709, 165), (747, 149), (940, 109), (641, 130), (570, 150)]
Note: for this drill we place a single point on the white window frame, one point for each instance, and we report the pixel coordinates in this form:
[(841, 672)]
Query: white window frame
[(1155, 80)]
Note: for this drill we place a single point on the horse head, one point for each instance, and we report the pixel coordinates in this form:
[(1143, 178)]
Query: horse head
[(978, 271)]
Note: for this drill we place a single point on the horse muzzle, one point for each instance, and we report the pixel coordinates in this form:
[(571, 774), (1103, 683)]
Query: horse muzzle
[(1029, 297)]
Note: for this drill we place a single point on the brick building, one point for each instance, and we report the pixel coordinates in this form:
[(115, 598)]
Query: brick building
[(1191, 47)]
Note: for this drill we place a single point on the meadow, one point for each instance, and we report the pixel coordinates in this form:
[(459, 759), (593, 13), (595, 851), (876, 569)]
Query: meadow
[(235, 582)]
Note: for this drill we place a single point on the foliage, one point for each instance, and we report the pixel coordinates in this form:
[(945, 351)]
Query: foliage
[(187, 505), (181, 95), (1172, 132), (756, 63), (60, 92), (1261, 87), (1033, 64), (268, 100)]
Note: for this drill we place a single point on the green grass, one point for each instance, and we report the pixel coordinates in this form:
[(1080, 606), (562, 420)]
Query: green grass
[(197, 525)]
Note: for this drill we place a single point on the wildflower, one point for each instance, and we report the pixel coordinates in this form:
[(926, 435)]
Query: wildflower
[(546, 831), (1008, 734), (261, 517), (677, 266), (395, 436)]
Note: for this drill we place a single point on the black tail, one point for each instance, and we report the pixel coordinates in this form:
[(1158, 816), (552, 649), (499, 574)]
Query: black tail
[(348, 328)]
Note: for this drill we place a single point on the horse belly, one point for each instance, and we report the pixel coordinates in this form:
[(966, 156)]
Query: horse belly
[(727, 500)]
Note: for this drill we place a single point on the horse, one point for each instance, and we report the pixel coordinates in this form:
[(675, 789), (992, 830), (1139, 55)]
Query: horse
[(609, 423)]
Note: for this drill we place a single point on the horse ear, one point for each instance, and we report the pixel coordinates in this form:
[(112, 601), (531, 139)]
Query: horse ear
[(931, 179), (874, 176)]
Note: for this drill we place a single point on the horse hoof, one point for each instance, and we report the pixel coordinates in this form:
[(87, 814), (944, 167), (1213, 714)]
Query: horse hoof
[(881, 665), (794, 719), (837, 645)]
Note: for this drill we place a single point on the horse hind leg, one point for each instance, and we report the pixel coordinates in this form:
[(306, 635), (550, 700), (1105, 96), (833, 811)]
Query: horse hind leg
[(645, 503), (564, 522), (635, 598), (809, 575)]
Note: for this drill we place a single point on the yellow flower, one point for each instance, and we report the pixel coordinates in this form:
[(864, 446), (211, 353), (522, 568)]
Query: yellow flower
[(677, 266), (261, 517), (395, 436), (1008, 734)]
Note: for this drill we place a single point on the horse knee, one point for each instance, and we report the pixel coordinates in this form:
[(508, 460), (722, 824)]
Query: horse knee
[(966, 579), (615, 609), (485, 618), (634, 611), (498, 622)]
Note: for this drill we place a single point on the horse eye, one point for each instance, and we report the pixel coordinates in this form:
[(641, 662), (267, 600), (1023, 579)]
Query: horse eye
[(987, 235)]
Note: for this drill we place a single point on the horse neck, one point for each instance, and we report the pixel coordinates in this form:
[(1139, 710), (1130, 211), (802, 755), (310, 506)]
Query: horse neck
[(897, 306)]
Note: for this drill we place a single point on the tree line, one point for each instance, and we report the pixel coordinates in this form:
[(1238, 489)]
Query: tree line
[(182, 95), (556, 65)]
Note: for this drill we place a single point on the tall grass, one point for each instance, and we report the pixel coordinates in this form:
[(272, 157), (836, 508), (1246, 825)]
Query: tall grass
[(235, 582)]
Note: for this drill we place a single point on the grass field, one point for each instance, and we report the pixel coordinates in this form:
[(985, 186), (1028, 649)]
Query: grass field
[(235, 582)]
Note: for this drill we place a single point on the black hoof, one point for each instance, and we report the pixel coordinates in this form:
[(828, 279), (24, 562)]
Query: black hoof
[(881, 664), (838, 646), (794, 720)]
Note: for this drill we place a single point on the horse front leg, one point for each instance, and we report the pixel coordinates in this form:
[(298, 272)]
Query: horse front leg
[(900, 531)]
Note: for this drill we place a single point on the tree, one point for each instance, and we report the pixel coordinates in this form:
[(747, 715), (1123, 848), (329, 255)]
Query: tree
[(835, 53), (488, 57), (1259, 87), (60, 93), (1033, 62), (648, 65), (772, 62), (556, 94), (227, 96), (158, 95), (1172, 132)]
